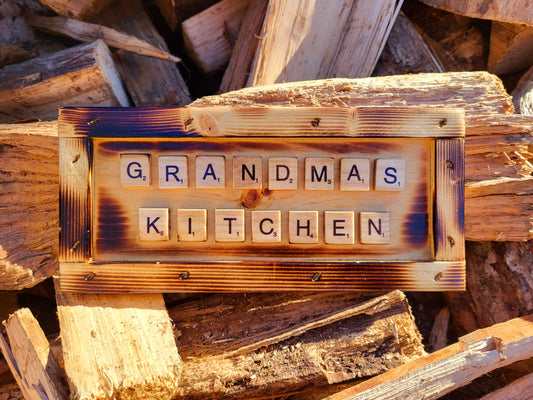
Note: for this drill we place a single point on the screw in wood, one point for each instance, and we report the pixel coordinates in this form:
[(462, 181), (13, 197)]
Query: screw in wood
[(316, 277)]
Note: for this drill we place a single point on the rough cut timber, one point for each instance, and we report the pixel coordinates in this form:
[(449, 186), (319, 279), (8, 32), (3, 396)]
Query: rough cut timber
[(499, 285), (406, 52), (321, 39), (83, 74), (523, 94), (177, 11), (32, 363), (517, 11), (29, 177), (454, 366), (150, 82), (117, 346), (80, 9), (511, 47), (247, 346), (210, 35)]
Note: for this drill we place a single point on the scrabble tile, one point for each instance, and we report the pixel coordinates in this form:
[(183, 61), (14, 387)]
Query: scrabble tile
[(229, 225), (210, 172), (135, 169), (375, 227), (153, 224), (303, 226), (355, 174), (173, 172), (319, 174), (247, 172), (192, 225), (339, 227), (283, 173), (390, 174), (266, 226)]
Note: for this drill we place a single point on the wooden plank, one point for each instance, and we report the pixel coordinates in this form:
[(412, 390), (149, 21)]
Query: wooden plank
[(517, 11), (209, 36), (240, 62), (150, 82), (449, 228), (177, 11), (338, 39), (259, 345), (28, 354), (82, 75), (522, 388), (523, 94), (75, 8), (511, 48), (454, 366), (117, 346)]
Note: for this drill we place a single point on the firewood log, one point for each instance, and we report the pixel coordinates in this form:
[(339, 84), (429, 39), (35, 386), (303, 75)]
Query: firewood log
[(79, 9), (523, 94), (177, 11), (511, 48)]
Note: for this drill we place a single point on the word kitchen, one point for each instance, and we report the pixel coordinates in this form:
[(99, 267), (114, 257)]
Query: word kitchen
[(247, 173)]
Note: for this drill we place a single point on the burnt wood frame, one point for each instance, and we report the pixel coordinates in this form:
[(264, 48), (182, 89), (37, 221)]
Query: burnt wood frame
[(78, 127)]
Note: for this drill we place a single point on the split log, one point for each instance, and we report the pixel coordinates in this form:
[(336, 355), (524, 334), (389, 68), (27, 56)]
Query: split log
[(454, 366), (522, 389), (117, 346), (30, 359), (406, 52), (80, 9), (438, 338), (499, 285), (81, 75), (238, 69), (177, 11), (517, 11), (209, 36), (150, 82), (523, 94), (511, 48), (244, 346), (321, 39)]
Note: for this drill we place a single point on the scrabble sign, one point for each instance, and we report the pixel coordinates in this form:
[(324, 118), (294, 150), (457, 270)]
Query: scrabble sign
[(247, 199)]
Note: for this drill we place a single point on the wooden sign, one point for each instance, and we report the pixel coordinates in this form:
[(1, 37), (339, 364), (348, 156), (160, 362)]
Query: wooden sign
[(264, 198)]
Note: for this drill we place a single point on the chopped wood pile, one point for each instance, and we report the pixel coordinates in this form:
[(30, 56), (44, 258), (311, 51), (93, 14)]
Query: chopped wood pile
[(475, 55)]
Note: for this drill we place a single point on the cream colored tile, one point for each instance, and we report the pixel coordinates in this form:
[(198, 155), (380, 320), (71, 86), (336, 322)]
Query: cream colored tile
[(229, 225), (339, 227), (319, 173), (192, 225), (173, 172), (210, 172), (282, 173), (153, 224), (390, 174), (266, 226), (247, 172), (355, 174), (375, 227), (135, 169), (303, 226)]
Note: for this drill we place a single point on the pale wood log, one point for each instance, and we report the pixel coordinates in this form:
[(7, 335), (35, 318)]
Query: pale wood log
[(117, 346), (29, 232), (406, 52), (177, 11), (244, 346), (81, 75), (150, 82), (517, 11), (80, 9), (511, 47), (523, 94), (236, 73), (210, 35), (87, 32), (499, 285), (521, 388), (321, 39), (454, 366), (30, 359)]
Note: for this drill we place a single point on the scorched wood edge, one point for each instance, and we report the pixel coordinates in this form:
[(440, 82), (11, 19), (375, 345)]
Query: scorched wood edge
[(261, 198)]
